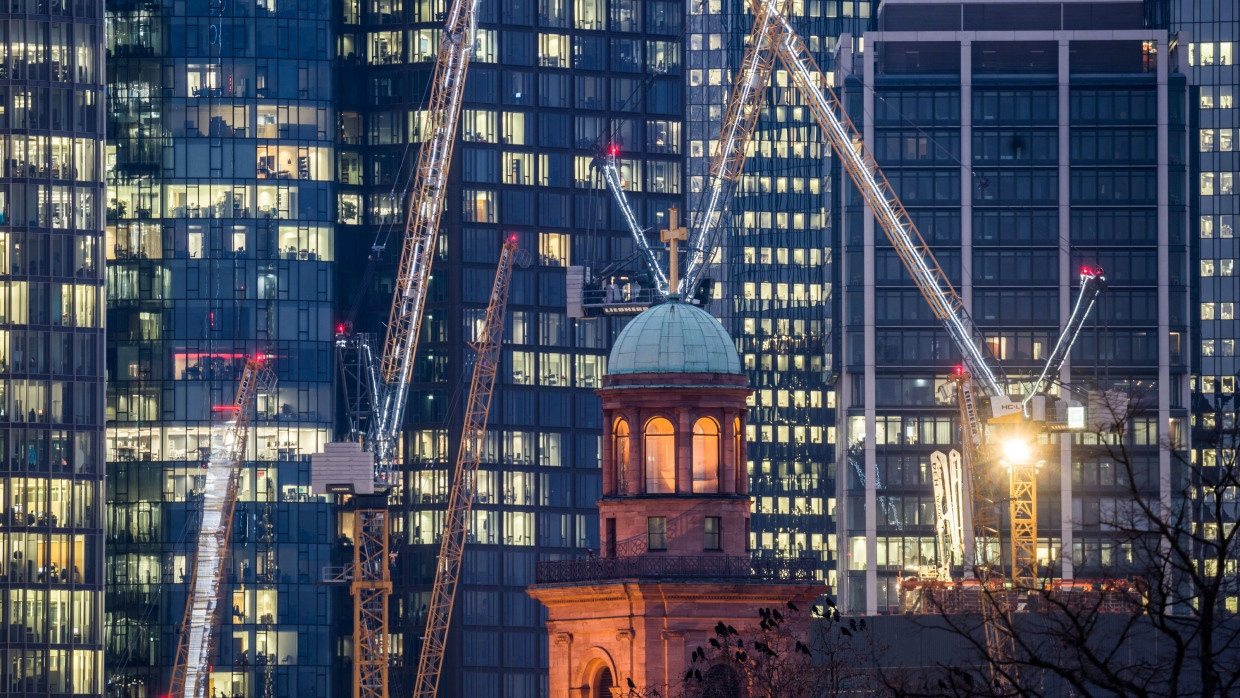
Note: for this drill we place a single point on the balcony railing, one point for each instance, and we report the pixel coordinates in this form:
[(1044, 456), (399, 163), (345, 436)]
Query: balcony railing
[(736, 569)]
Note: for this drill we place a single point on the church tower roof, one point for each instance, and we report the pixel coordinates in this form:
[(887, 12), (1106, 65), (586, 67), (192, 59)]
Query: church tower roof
[(674, 337)]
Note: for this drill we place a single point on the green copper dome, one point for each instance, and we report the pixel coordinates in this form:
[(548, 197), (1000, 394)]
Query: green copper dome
[(674, 338)]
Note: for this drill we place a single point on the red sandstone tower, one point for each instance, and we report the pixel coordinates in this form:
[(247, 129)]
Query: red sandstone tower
[(674, 517)]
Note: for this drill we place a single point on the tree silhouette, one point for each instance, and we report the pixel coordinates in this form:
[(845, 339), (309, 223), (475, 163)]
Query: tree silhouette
[(1166, 623)]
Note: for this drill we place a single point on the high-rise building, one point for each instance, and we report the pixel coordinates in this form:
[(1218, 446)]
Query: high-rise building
[(1021, 155), (1212, 32), (220, 241), (51, 349), (774, 285)]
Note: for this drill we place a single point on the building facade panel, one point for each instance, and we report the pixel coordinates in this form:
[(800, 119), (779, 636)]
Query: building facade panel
[(1021, 158), (220, 243)]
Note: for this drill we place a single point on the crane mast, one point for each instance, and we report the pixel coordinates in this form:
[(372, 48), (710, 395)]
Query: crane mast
[(461, 496), (430, 181), (200, 627)]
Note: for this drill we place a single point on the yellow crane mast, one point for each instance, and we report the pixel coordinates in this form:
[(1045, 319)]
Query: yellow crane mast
[(461, 496), (199, 632)]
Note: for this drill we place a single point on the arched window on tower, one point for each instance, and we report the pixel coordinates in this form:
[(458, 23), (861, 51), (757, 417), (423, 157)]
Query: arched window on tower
[(603, 684), (705, 455), (620, 452), (660, 456), (738, 454)]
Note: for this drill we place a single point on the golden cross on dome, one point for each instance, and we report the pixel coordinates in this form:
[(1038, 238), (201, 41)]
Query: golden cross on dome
[(674, 233)]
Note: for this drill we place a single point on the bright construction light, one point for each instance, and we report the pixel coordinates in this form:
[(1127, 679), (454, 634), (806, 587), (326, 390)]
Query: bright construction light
[(1016, 450)]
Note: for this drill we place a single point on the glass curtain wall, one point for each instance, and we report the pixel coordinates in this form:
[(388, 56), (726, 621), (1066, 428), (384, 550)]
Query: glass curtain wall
[(774, 275), (220, 241), (51, 343), (1016, 177), (1211, 29)]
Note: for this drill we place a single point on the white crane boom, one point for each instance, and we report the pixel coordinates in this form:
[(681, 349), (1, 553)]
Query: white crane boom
[(1092, 282), (199, 633), (426, 204), (731, 148), (615, 184)]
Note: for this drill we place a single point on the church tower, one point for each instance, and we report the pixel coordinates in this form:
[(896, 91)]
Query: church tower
[(674, 517)]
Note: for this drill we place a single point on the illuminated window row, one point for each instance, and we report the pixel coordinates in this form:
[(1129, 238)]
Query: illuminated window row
[(1210, 53), (1218, 267), (1217, 97), (1221, 384), (192, 443), (1218, 347), (1222, 139), (1217, 226), (783, 434), (1220, 183), (782, 255), (1218, 311)]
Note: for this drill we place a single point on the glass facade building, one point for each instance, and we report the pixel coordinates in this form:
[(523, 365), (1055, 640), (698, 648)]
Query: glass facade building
[(1020, 160), (220, 241), (774, 277), (1211, 29), (51, 344)]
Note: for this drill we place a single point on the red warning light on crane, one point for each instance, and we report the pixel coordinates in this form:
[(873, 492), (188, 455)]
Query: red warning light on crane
[(613, 150), (512, 237)]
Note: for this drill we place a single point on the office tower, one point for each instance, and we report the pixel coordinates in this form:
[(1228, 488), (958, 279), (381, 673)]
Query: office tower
[(51, 344), (1212, 33), (774, 285), (219, 247), (1021, 157), (549, 84)]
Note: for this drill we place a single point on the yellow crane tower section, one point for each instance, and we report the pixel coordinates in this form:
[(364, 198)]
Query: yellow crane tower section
[(461, 496), (199, 632)]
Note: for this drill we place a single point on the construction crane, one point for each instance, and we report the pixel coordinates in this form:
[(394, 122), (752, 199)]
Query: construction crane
[(386, 379), (772, 36), (731, 147), (199, 634), (430, 182), (461, 496), (606, 162)]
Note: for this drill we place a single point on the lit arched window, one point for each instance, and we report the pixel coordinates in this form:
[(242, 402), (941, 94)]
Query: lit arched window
[(620, 451), (660, 456), (738, 452), (705, 455)]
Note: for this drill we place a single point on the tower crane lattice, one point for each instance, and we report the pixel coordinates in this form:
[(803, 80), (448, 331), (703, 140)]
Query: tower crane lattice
[(386, 379), (426, 205), (461, 496)]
